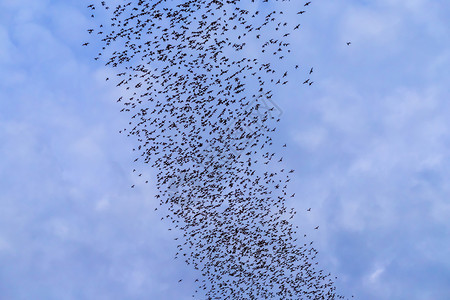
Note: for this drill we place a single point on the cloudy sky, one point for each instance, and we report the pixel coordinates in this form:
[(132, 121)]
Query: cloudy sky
[(369, 140)]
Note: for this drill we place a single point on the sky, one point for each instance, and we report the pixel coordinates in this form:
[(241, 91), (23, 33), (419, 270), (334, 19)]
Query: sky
[(369, 140)]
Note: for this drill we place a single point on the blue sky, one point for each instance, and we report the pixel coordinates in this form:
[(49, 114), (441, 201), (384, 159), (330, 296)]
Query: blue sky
[(369, 140)]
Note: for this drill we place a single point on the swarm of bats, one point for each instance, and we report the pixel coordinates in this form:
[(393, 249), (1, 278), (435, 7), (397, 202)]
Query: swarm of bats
[(198, 84)]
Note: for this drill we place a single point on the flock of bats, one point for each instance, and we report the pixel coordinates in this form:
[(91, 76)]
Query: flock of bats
[(198, 80)]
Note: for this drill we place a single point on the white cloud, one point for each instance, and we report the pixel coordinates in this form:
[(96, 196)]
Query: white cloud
[(376, 274)]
